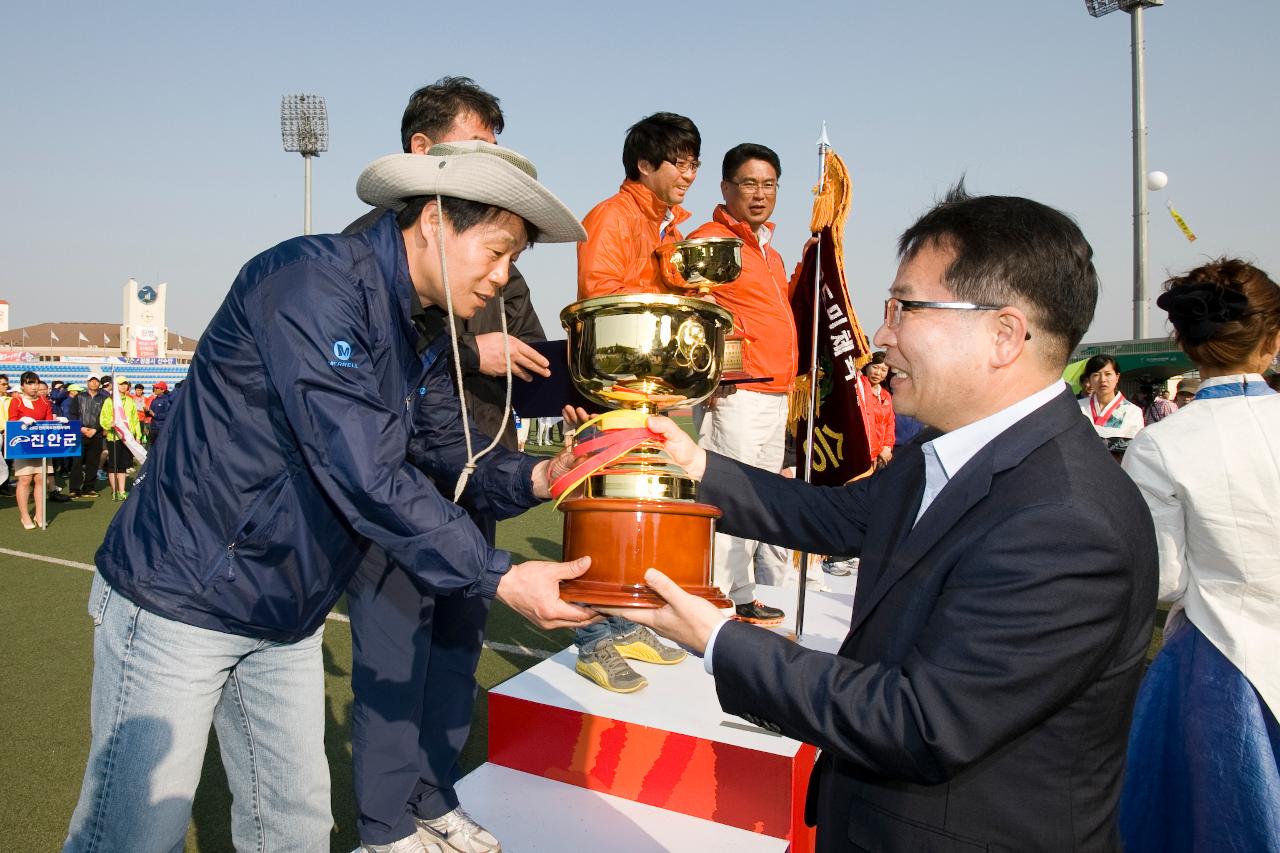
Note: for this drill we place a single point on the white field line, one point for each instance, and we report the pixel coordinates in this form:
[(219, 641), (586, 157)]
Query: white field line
[(505, 648)]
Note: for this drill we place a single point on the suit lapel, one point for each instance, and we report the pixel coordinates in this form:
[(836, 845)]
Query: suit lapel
[(963, 491), (904, 492)]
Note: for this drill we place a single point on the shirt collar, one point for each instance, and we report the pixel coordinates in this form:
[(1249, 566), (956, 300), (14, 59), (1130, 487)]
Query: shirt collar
[(763, 235), (957, 447), (653, 208), (1233, 378)]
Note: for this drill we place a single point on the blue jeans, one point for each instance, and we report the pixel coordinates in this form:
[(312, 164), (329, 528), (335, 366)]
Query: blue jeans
[(158, 684), (588, 637)]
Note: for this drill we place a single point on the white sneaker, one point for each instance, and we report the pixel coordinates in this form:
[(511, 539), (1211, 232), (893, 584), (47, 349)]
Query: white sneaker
[(840, 568), (410, 844), (456, 831)]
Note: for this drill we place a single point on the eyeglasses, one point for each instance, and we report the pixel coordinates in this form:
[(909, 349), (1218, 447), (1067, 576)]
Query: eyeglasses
[(893, 308), (686, 166), (749, 186)]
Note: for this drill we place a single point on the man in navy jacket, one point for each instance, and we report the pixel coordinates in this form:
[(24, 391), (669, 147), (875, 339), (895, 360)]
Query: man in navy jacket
[(982, 697), (317, 416)]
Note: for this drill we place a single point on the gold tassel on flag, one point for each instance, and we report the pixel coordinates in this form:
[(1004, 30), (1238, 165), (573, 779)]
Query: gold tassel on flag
[(798, 401), (1182, 223)]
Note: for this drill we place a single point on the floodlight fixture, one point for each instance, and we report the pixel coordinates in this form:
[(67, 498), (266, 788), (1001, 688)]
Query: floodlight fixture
[(1098, 8), (1137, 46), (304, 129), (304, 124)]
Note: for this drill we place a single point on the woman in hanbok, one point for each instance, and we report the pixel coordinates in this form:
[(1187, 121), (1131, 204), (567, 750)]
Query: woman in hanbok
[(1115, 418), (1204, 749)]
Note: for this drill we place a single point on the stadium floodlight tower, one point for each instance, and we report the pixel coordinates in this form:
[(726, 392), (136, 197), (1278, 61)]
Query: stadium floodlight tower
[(1098, 8), (304, 128)]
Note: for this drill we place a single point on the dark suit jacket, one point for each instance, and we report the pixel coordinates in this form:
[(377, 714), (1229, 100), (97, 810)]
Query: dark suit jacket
[(981, 700)]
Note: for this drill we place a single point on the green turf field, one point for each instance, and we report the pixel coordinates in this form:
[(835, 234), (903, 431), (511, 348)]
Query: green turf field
[(44, 696)]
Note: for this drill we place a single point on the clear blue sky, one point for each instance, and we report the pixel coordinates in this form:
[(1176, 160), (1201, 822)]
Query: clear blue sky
[(142, 139)]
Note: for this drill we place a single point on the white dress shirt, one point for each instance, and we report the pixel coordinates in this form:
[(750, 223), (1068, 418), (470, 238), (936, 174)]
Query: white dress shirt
[(1210, 473), (945, 455)]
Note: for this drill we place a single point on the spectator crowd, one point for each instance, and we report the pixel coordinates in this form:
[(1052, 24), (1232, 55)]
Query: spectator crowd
[(103, 455)]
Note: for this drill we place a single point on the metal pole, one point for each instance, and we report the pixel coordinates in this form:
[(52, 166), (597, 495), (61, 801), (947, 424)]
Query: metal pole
[(42, 495), (306, 194), (1139, 178), (823, 147)]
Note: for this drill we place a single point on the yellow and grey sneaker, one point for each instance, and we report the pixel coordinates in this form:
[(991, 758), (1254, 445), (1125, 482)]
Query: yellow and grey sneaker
[(605, 667), (456, 831), (641, 644)]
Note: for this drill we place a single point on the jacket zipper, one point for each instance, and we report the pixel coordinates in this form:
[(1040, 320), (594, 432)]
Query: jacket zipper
[(231, 546)]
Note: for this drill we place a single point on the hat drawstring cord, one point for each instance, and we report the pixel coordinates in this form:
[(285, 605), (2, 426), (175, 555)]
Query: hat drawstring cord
[(472, 459)]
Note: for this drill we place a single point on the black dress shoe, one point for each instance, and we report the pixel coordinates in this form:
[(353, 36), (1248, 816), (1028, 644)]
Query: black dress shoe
[(58, 497)]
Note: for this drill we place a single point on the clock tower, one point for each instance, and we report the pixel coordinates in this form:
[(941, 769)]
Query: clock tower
[(143, 333)]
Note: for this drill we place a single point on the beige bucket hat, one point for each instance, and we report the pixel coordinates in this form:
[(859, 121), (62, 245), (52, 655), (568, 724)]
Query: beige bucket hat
[(474, 170)]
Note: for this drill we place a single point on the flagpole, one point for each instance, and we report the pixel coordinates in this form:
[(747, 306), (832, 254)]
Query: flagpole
[(824, 145)]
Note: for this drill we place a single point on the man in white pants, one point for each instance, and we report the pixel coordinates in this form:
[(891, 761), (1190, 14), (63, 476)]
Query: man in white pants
[(750, 425)]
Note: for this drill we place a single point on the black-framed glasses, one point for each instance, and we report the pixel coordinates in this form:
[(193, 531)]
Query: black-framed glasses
[(750, 185), (686, 165), (893, 308)]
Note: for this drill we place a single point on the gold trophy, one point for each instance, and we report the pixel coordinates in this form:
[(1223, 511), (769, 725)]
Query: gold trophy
[(628, 505), (701, 266)]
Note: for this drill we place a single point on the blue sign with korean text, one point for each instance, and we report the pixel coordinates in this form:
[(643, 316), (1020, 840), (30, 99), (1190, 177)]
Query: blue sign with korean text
[(41, 440)]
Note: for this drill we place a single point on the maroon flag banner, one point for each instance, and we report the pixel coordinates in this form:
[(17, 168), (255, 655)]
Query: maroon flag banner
[(841, 451)]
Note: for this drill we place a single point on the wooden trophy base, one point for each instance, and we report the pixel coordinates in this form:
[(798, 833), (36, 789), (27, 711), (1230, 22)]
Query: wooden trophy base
[(624, 538)]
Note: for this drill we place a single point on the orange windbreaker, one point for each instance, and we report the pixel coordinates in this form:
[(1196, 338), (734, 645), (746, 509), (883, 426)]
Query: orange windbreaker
[(622, 232), (878, 417), (760, 301)]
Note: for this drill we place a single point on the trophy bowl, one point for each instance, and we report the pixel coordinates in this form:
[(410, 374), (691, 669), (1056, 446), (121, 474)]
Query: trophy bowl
[(649, 351), (700, 265)]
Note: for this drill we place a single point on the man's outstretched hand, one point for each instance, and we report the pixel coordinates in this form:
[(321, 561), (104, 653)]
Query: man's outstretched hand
[(532, 589), (686, 619), (546, 472), (525, 360), (682, 449)]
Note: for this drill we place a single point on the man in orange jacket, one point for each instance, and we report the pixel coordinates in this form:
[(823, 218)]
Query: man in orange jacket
[(750, 424), (660, 156)]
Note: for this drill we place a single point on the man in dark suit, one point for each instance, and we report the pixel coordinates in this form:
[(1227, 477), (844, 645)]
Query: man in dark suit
[(981, 700)]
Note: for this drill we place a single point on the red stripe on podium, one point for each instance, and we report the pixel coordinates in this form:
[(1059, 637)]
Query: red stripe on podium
[(731, 785)]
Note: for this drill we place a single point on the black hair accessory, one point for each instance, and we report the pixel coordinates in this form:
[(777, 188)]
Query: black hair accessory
[(1198, 309)]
